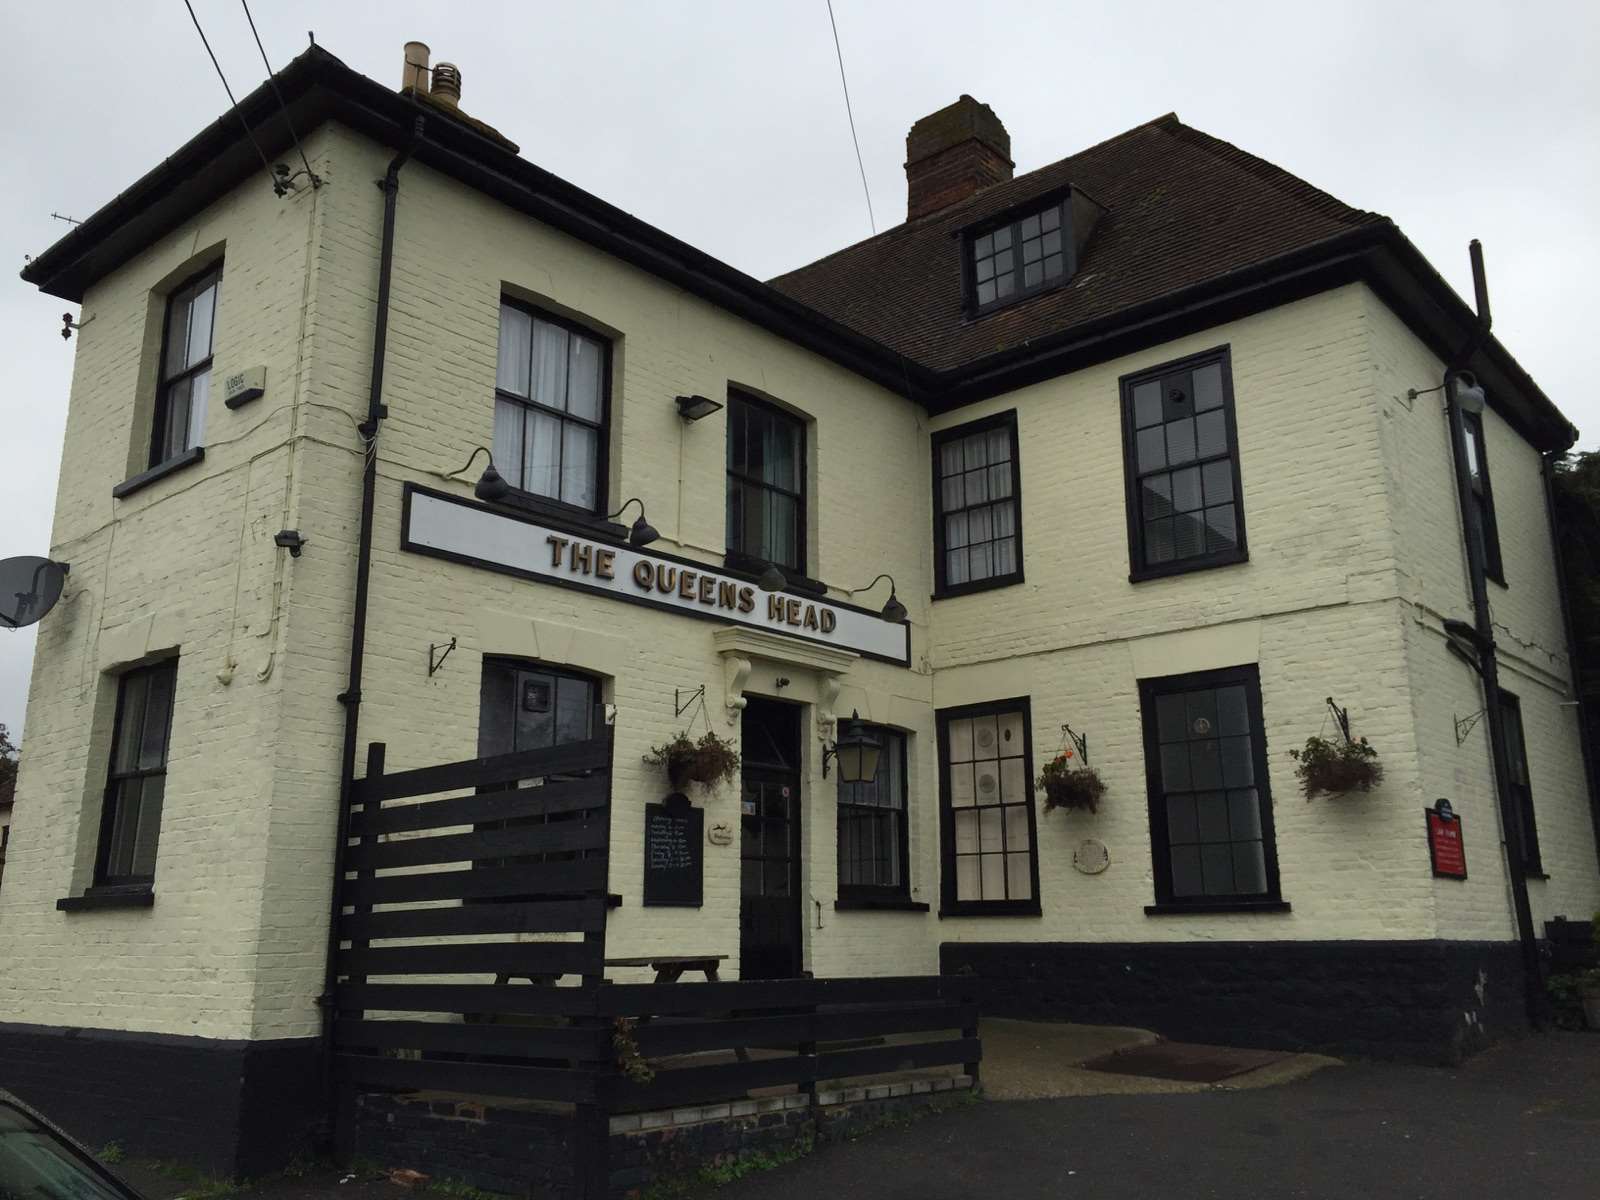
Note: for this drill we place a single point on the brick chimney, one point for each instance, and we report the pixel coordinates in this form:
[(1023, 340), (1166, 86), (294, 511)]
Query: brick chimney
[(950, 154)]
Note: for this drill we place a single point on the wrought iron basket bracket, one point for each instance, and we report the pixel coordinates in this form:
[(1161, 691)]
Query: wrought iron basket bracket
[(435, 663), (1080, 742)]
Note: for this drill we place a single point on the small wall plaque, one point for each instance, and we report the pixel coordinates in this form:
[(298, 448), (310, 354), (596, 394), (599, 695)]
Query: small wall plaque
[(719, 835), (1091, 857), (1446, 846)]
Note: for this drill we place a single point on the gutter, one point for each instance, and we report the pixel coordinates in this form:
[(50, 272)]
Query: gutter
[(351, 696), (1547, 463)]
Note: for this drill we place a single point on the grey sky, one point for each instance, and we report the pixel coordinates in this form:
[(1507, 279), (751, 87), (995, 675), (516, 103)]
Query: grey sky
[(723, 124)]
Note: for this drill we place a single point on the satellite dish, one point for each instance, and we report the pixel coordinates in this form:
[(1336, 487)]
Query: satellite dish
[(29, 588)]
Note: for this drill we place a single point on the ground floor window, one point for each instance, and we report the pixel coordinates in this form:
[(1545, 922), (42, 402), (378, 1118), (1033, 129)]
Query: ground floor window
[(986, 809), (130, 821), (872, 826), (1517, 769), (1210, 805)]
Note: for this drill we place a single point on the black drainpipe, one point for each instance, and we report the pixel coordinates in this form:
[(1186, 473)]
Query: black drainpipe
[(1489, 673), (351, 696), (1579, 686)]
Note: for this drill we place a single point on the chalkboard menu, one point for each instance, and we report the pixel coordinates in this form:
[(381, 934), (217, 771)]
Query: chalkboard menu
[(674, 855)]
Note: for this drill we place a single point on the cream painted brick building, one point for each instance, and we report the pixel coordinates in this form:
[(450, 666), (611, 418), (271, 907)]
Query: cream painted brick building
[(204, 961)]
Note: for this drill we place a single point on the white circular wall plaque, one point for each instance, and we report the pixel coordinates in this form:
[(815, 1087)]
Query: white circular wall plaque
[(1091, 857)]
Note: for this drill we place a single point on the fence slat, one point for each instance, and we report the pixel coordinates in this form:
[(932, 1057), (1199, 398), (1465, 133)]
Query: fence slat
[(515, 1041), (481, 883), (480, 1079), (718, 1082), (473, 958), (462, 998), (644, 999), (594, 754), (880, 1060), (548, 916), (547, 799), (559, 837)]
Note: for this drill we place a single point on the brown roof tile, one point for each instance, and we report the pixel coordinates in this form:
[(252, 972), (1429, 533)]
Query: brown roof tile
[(1182, 209)]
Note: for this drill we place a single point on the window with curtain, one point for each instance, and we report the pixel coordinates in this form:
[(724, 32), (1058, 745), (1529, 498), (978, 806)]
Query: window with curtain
[(1488, 530), (1182, 467), (977, 531), (184, 389), (130, 821), (766, 483), (1211, 804), (1521, 786), (872, 826), (550, 408), (986, 786)]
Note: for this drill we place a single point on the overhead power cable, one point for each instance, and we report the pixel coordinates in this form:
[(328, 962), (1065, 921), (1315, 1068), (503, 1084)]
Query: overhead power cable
[(276, 186), (871, 220), (272, 78)]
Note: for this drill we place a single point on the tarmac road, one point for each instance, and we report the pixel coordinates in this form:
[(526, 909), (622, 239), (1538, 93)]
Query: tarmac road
[(1521, 1120)]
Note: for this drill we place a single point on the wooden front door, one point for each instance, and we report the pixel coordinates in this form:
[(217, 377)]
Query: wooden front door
[(769, 846)]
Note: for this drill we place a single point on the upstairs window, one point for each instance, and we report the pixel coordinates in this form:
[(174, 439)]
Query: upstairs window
[(1521, 787), (977, 487), (1182, 467), (1488, 531), (872, 826), (130, 819), (766, 484), (184, 387), (1023, 256), (550, 408)]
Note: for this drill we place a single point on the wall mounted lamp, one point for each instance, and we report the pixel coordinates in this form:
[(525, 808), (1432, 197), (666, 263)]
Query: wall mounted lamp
[(693, 408), (642, 533), (857, 752), (893, 610), (490, 485), (290, 540)]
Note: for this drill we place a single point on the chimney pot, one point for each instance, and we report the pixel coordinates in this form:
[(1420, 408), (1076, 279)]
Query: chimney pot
[(447, 84), (952, 154), (414, 74)]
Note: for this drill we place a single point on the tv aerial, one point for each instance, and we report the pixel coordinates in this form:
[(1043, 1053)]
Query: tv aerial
[(29, 588)]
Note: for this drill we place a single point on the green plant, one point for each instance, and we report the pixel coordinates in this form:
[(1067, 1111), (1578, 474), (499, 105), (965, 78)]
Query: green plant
[(1566, 1000), (629, 1060), (709, 761), (112, 1153), (1335, 767), (1071, 787), (460, 1190)]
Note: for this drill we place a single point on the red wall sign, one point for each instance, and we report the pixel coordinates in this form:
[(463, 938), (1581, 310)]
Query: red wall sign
[(1445, 844)]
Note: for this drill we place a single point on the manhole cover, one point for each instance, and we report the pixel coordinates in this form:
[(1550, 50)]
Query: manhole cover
[(1180, 1060)]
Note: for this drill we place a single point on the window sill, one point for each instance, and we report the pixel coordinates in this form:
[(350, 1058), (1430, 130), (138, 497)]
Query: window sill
[(846, 904), (1216, 906), (982, 585), (144, 479), (136, 895), (998, 908), (1535, 873), (1166, 570), (743, 564), (565, 515)]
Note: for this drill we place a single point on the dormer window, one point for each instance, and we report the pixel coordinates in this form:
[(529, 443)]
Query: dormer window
[(1028, 250)]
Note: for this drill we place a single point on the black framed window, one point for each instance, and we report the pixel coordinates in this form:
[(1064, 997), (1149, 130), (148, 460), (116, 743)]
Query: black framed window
[(977, 495), (1210, 802), (130, 819), (1488, 532), (1521, 788), (1180, 446), (552, 401), (873, 855), (1025, 255), (766, 483), (183, 390), (986, 808)]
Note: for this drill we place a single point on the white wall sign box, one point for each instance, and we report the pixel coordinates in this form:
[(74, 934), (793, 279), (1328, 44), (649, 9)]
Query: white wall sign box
[(462, 531)]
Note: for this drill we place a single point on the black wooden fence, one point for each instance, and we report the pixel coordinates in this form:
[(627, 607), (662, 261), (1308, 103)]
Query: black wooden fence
[(431, 888)]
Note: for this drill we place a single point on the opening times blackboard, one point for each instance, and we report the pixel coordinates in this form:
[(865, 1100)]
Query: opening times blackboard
[(674, 853)]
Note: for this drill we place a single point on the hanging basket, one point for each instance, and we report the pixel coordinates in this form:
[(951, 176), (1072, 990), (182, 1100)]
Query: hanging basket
[(708, 762), (1078, 788), (1336, 768)]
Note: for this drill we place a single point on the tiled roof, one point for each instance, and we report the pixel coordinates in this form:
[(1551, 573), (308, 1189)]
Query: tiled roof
[(1181, 209)]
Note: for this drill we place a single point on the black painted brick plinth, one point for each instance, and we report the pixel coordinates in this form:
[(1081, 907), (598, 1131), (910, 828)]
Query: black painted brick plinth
[(238, 1108), (1420, 1001)]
